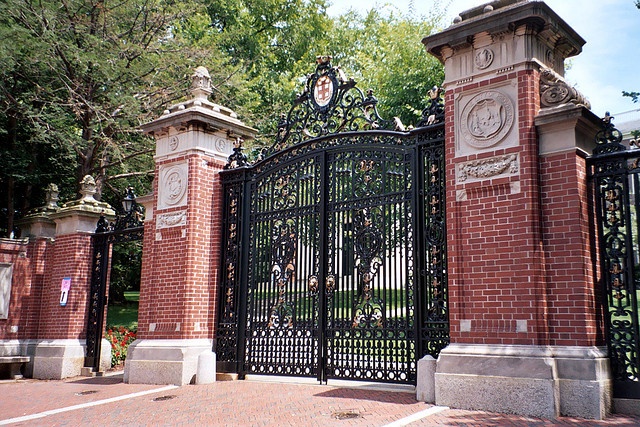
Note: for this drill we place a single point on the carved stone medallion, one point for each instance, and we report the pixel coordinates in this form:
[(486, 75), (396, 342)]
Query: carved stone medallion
[(483, 58), (486, 119), (173, 186), (173, 143), (221, 145)]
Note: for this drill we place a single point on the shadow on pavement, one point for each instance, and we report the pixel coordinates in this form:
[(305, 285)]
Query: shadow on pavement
[(107, 380), (399, 397)]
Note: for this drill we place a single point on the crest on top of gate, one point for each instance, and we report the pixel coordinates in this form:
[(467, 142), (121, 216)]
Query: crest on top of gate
[(332, 103)]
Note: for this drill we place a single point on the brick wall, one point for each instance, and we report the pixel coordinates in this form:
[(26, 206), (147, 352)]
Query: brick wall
[(71, 256), (575, 314)]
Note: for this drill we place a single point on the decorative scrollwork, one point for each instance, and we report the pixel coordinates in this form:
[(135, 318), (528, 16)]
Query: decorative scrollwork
[(283, 272), (555, 91), (368, 246), (127, 227), (237, 159), (609, 139), (434, 113), (330, 103), (615, 175)]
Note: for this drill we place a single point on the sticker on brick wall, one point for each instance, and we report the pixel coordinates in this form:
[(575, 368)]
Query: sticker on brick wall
[(65, 286)]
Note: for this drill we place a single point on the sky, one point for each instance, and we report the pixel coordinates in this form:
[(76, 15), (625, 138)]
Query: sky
[(610, 59)]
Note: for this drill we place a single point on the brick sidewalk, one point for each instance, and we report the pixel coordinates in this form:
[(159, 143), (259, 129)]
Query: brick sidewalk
[(239, 403)]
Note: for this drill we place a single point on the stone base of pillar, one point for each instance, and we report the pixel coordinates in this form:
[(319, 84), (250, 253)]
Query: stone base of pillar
[(626, 406), (64, 358), (164, 361), (20, 347), (537, 381)]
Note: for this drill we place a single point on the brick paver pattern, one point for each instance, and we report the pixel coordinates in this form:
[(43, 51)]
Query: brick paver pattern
[(242, 403)]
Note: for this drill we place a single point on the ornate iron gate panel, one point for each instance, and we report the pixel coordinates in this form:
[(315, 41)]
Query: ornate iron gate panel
[(282, 331), (335, 250), (126, 228), (615, 173), (370, 290)]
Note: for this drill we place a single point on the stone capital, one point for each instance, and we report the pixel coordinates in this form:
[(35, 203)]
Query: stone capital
[(502, 35), (566, 127)]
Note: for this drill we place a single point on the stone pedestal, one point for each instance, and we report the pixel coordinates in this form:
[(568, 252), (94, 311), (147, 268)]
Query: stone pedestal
[(164, 361), (538, 381), (63, 358)]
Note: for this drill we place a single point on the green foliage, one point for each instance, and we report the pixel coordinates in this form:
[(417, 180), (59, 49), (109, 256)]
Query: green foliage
[(126, 264), (633, 95), (123, 314), (81, 76)]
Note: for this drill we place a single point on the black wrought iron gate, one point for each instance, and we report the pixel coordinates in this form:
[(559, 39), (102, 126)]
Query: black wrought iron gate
[(615, 173), (335, 247), (127, 227)]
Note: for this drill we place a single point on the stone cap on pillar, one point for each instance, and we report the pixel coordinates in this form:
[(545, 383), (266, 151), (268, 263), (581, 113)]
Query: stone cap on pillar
[(207, 116), (37, 222), (505, 16), (81, 215)]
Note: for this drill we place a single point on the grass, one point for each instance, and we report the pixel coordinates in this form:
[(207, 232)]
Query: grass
[(124, 314)]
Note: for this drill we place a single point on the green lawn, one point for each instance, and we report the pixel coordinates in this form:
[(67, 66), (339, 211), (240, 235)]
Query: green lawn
[(124, 314)]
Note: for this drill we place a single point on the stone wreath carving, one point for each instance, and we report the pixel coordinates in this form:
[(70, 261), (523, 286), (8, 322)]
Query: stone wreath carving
[(555, 91), (487, 168), (171, 219), (486, 119)]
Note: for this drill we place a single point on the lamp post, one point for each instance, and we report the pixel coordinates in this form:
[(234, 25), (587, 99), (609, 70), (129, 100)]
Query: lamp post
[(129, 200)]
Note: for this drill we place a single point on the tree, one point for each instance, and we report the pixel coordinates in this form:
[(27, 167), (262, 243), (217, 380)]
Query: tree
[(268, 39), (80, 77)]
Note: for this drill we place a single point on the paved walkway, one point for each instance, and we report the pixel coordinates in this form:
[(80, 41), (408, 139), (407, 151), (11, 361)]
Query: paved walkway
[(106, 401)]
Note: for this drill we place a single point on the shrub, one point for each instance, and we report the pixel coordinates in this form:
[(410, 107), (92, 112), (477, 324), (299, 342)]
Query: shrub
[(120, 339)]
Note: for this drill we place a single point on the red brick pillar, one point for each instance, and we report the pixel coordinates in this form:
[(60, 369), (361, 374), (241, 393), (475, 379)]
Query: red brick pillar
[(522, 309), (181, 247), (61, 328)]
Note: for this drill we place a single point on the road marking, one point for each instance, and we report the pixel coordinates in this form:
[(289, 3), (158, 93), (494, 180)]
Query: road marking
[(417, 416), (84, 405)]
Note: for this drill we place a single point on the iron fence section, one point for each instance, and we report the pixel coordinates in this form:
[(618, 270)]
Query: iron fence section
[(615, 174)]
